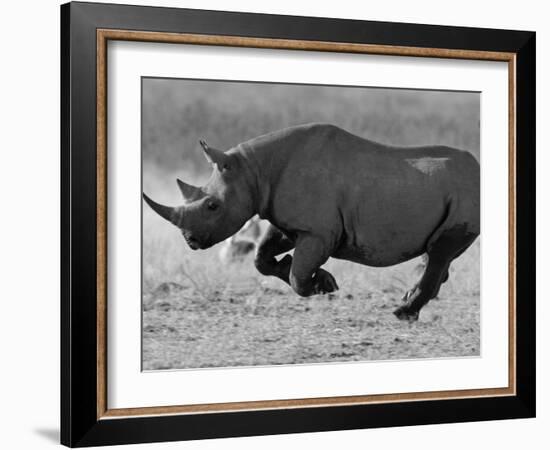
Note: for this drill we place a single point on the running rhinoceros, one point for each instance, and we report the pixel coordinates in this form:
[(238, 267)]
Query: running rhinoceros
[(329, 193)]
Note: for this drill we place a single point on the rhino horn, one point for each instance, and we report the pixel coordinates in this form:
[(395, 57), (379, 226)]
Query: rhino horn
[(187, 191), (214, 156), (167, 212)]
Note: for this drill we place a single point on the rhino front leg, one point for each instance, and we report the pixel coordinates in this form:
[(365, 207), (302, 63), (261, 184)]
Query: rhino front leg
[(306, 276), (271, 245)]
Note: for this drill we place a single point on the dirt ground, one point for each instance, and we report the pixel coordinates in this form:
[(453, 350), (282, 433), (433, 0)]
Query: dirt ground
[(265, 323)]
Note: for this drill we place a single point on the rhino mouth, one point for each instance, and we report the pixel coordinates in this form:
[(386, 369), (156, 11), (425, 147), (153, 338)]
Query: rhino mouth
[(193, 243), (191, 240), (196, 244)]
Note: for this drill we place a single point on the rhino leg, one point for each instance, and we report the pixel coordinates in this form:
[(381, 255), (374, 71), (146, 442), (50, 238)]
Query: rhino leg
[(410, 292), (424, 263), (273, 243), (306, 276), (443, 251)]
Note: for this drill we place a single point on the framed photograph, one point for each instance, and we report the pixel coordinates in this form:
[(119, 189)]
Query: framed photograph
[(277, 224)]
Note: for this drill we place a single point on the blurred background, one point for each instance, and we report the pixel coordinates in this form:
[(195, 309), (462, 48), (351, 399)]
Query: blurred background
[(202, 311), (177, 113)]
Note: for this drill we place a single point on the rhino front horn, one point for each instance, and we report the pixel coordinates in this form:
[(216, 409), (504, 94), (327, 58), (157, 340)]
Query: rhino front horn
[(214, 156), (166, 212)]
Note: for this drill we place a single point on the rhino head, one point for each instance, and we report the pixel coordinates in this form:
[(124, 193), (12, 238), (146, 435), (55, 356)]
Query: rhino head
[(215, 211)]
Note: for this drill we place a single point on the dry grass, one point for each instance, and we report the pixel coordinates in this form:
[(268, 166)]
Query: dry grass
[(199, 313)]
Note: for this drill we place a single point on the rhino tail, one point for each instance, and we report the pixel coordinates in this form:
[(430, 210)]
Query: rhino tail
[(447, 221)]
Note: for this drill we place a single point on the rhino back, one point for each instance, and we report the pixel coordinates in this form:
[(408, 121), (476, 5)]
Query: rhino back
[(371, 203)]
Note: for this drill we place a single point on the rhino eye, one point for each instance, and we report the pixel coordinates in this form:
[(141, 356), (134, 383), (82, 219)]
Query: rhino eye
[(212, 206)]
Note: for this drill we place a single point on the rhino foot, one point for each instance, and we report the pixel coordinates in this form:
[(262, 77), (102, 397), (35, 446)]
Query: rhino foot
[(404, 313), (324, 282)]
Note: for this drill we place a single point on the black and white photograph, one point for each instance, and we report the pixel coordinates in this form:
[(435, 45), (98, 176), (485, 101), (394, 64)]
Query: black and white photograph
[(280, 225), (275, 225), (299, 224)]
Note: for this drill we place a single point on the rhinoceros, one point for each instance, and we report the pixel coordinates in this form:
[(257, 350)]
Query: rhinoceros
[(329, 193)]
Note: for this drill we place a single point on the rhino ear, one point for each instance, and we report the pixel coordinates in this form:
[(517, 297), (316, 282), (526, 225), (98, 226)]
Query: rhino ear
[(214, 156), (187, 191)]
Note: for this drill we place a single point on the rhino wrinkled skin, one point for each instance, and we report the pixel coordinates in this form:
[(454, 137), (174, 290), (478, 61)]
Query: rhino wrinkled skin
[(329, 193)]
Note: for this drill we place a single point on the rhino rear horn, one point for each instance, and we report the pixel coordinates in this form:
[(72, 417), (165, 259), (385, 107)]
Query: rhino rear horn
[(214, 156), (166, 212), (187, 190)]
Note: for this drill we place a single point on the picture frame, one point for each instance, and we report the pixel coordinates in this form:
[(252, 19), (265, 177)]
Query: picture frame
[(86, 29)]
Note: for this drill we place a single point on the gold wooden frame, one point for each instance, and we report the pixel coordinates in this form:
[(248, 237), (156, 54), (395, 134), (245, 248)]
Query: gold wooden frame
[(103, 36)]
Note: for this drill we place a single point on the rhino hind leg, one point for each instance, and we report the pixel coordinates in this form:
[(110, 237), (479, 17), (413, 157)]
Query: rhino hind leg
[(410, 292), (449, 245), (274, 243)]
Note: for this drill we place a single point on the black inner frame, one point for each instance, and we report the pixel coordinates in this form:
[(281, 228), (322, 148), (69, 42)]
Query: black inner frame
[(79, 424)]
